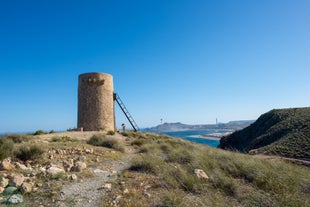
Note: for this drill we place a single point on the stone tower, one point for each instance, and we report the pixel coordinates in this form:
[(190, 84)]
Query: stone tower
[(96, 102)]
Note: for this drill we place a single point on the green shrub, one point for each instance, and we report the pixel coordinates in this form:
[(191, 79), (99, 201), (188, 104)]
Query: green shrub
[(6, 148), (96, 140), (101, 140), (59, 176), (181, 156), (32, 152), (150, 165), (175, 198), (16, 138), (125, 134), (52, 132), (64, 139), (138, 142), (113, 144), (39, 132), (110, 132)]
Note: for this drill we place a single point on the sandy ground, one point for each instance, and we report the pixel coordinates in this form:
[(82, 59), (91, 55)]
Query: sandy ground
[(79, 135)]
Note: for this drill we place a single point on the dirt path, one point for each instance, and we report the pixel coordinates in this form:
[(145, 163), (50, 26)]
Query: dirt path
[(89, 192), (296, 161)]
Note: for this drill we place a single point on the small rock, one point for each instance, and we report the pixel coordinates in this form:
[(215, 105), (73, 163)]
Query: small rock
[(6, 165), (39, 185), (54, 170), (107, 186), (4, 182), (22, 166), (146, 194), (27, 187), (253, 152), (73, 177), (98, 171), (42, 169), (10, 190), (147, 187), (79, 166), (15, 199), (16, 180), (126, 191), (68, 165), (81, 158), (201, 174), (1, 189)]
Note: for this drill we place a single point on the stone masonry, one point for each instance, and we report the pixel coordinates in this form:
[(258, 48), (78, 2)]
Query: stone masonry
[(96, 102)]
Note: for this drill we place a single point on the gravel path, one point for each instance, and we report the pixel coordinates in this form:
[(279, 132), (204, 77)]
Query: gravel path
[(89, 192)]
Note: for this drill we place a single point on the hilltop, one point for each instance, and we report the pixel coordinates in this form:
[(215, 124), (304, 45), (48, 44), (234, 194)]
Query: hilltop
[(142, 169), (284, 132), (169, 127)]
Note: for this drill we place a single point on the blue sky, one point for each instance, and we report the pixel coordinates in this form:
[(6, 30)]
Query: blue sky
[(189, 61)]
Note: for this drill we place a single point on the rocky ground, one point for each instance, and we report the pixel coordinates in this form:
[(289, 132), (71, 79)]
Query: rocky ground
[(70, 173)]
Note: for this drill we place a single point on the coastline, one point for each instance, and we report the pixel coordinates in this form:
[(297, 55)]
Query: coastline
[(206, 137), (213, 136)]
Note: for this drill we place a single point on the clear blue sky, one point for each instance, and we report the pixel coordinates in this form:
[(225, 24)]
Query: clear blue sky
[(188, 61)]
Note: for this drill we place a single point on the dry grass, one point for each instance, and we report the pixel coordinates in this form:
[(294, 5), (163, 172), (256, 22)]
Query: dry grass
[(166, 166)]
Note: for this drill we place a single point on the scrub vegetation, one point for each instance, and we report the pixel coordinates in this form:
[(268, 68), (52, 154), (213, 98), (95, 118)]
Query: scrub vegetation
[(162, 174)]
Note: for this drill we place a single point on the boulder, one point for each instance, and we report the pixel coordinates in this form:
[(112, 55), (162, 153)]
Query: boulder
[(201, 174), (53, 170), (15, 199), (16, 180), (6, 165)]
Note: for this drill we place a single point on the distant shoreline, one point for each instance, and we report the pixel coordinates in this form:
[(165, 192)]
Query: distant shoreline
[(213, 136)]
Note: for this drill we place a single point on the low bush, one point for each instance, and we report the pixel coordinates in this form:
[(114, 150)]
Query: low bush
[(102, 140), (113, 144), (138, 142), (39, 132), (16, 138), (64, 139), (150, 165), (32, 152), (6, 148), (59, 176), (110, 132), (96, 140)]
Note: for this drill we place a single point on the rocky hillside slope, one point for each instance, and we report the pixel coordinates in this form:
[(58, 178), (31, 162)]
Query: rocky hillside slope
[(90, 169), (169, 127), (284, 132)]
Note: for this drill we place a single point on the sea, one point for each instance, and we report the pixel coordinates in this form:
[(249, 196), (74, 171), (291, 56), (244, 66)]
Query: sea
[(192, 135), (196, 136)]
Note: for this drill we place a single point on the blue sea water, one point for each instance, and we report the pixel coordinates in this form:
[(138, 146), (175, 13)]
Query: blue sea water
[(193, 136)]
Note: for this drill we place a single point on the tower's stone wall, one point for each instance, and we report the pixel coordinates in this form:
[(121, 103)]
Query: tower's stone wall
[(96, 102)]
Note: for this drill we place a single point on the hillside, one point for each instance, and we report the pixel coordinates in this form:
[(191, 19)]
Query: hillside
[(284, 132), (169, 127), (142, 169)]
